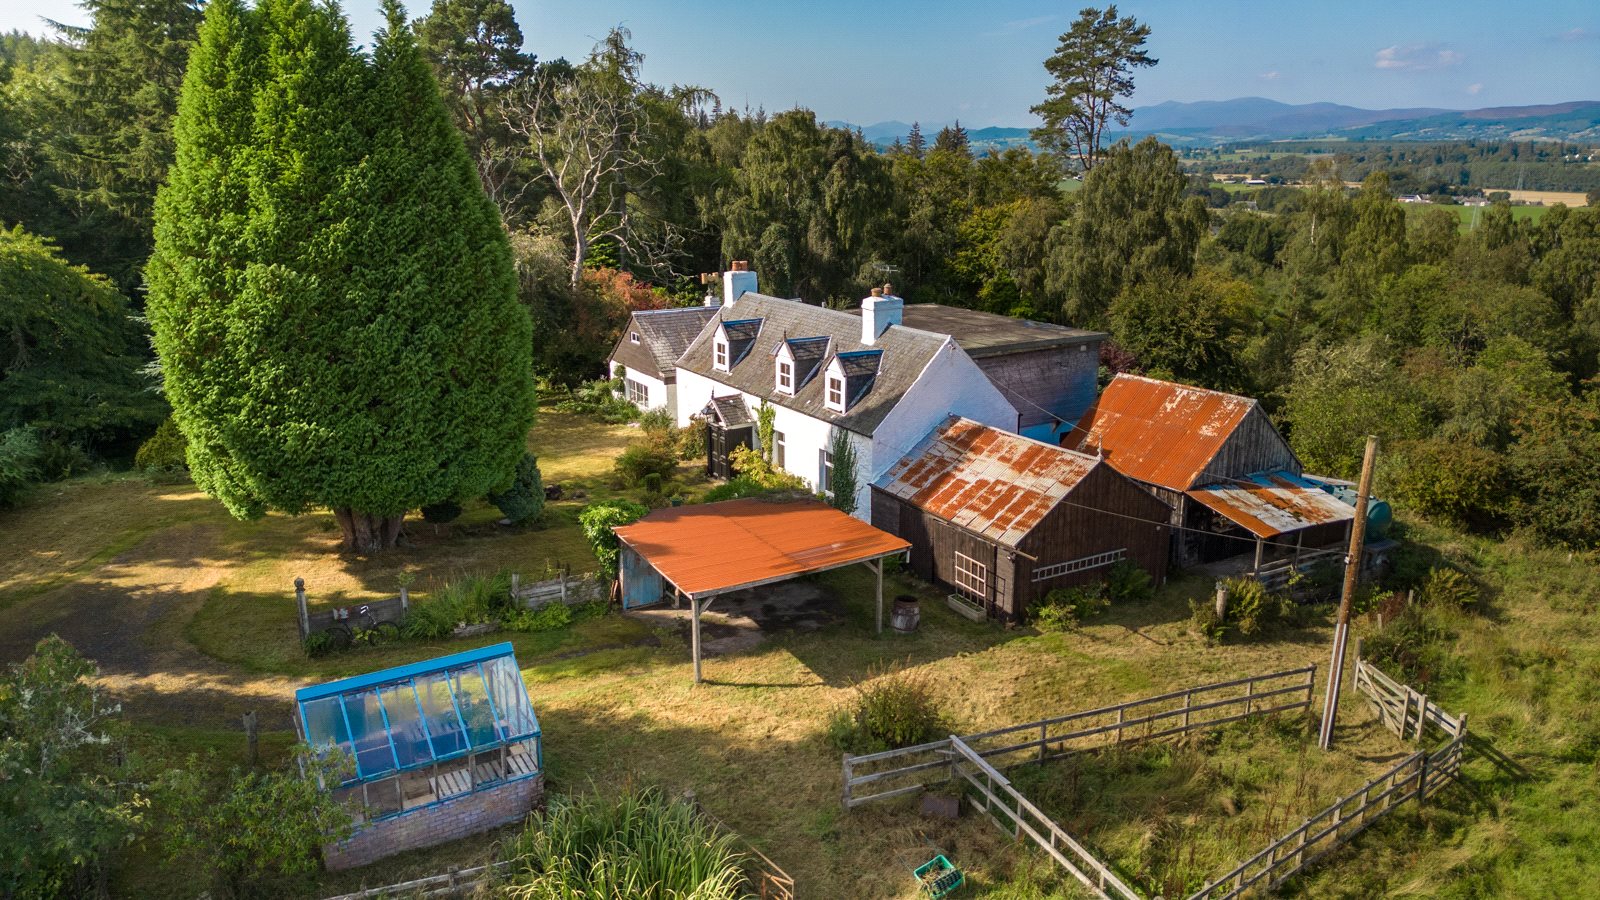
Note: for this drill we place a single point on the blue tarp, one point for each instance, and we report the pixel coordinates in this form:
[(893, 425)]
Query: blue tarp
[(411, 716)]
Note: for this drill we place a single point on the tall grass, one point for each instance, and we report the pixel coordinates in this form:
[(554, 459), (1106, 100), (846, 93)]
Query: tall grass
[(637, 845)]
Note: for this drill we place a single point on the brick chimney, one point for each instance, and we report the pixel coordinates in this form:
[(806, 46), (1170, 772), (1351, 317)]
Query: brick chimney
[(878, 312), (737, 281)]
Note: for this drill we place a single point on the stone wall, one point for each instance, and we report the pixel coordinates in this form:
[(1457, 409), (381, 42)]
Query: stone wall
[(438, 824)]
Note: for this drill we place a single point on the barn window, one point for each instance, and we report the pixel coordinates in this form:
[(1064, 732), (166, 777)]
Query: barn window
[(638, 393), (721, 348), (1082, 564), (972, 577)]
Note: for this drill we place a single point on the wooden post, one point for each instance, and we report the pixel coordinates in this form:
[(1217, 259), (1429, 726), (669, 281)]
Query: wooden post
[(1260, 546), (1422, 714), (695, 629), (1352, 574), (516, 584), (1222, 601), (1249, 696), (405, 598), (252, 738), (878, 568), (300, 598)]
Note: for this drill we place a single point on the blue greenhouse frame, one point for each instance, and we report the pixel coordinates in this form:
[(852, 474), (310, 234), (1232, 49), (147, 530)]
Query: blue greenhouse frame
[(427, 732)]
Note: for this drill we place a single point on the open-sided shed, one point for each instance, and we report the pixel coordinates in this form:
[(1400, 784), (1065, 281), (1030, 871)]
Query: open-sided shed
[(701, 552)]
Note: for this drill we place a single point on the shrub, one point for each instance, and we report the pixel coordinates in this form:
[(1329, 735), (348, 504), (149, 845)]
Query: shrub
[(1252, 609), (1451, 481), (641, 459), (1064, 608), (601, 399), (468, 601), (1414, 648), (1126, 582), (523, 501), (546, 618), (638, 845), (442, 513), (753, 466), (1449, 588), (893, 708), (166, 450), (597, 520), (1204, 620), (657, 421), (692, 439), (742, 486), (19, 464)]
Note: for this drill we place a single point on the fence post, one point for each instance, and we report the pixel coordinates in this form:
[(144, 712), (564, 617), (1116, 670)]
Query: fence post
[(1188, 701), (846, 798), (1422, 779), (300, 598), (1222, 601), (1043, 734), (1422, 714), (1249, 696), (1119, 723), (405, 598), (252, 738)]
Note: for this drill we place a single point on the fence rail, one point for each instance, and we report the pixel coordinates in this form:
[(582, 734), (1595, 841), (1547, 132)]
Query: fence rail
[(1417, 777), (996, 795), (1276, 575), (564, 588), (908, 770)]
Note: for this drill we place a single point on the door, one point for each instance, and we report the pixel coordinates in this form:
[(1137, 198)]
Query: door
[(720, 444)]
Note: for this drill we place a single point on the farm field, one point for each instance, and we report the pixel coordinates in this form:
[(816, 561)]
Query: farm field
[(191, 616)]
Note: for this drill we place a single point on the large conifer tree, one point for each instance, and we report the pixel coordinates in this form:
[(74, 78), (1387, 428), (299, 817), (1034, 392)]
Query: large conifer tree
[(332, 294)]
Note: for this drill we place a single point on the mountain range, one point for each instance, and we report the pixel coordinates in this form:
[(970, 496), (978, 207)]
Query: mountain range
[(1255, 119)]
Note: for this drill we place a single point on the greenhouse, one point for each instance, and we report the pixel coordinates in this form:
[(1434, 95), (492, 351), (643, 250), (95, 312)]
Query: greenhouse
[(428, 734)]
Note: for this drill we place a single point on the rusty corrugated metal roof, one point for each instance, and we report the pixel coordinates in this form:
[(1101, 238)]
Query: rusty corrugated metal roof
[(1268, 504), (712, 548), (988, 481), (1157, 431)]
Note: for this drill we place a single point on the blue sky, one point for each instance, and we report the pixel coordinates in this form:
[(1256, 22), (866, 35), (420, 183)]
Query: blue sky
[(935, 60)]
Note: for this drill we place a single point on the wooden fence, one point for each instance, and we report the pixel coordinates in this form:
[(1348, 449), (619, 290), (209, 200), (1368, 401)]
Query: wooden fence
[(1015, 815), (1276, 575), (1417, 777), (564, 588), (910, 769)]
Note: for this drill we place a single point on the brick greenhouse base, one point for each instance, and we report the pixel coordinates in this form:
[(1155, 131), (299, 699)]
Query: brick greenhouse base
[(438, 824)]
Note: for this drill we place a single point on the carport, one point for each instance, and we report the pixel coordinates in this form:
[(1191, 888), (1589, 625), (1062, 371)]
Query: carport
[(703, 551)]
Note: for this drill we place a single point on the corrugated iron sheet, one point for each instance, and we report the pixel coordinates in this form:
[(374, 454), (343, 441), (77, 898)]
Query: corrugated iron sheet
[(713, 548), (1157, 431), (1268, 504), (990, 482)]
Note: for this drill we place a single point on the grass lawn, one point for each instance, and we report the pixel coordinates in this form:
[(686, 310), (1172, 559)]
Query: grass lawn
[(201, 613)]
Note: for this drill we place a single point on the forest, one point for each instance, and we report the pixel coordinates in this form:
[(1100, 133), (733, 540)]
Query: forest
[(1473, 356), (1424, 167)]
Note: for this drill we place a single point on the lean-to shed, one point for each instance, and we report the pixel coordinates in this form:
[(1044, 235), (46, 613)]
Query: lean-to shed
[(1003, 519)]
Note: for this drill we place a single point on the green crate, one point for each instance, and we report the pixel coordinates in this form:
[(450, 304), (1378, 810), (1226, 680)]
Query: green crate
[(949, 877)]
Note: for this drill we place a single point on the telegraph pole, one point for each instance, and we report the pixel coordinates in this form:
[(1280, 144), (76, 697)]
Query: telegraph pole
[(1352, 574)]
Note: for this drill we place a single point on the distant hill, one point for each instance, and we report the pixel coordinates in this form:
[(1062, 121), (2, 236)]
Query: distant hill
[(1212, 122)]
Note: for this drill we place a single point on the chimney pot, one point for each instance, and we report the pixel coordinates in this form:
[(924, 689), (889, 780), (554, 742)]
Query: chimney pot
[(740, 265), (877, 292)]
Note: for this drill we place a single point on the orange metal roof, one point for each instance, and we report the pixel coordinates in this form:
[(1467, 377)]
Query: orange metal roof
[(1268, 504), (1157, 431), (712, 548), (988, 481)]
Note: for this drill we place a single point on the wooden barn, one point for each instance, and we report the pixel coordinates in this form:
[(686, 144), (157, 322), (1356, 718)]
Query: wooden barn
[(1228, 478), (1003, 519)]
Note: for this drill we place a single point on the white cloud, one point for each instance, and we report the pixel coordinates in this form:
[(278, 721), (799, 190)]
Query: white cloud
[(1274, 75), (1475, 88), (1579, 34), (1416, 57)]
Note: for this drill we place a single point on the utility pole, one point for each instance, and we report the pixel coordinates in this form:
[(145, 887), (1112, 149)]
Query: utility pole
[(1352, 574)]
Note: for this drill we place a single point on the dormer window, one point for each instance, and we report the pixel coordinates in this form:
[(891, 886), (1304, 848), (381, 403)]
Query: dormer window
[(720, 351), (785, 376), (835, 393)]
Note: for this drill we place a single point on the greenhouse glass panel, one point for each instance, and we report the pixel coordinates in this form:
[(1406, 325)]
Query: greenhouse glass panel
[(439, 711), (476, 711), (510, 697), (374, 753), (325, 724), (405, 724)]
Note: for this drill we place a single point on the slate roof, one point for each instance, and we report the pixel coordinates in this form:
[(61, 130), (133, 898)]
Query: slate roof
[(663, 336), (990, 482), (1158, 432), (730, 410), (984, 334), (906, 353)]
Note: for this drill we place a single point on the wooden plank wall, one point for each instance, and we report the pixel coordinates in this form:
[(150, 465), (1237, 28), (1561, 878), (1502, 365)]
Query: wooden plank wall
[(1105, 511)]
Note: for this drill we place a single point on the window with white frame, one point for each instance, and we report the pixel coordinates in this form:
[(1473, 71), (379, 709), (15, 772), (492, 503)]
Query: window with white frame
[(825, 471), (638, 392), (721, 359), (634, 337), (971, 577), (1081, 564), (836, 393), (785, 376), (778, 449)]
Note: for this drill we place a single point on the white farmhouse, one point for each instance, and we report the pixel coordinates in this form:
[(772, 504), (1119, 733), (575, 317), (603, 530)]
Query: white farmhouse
[(646, 355), (882, 384)]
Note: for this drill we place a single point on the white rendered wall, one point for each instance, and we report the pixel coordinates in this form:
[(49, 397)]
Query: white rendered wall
[(952, 384)]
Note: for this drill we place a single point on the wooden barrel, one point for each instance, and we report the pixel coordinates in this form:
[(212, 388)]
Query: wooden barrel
[(907, 614)]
